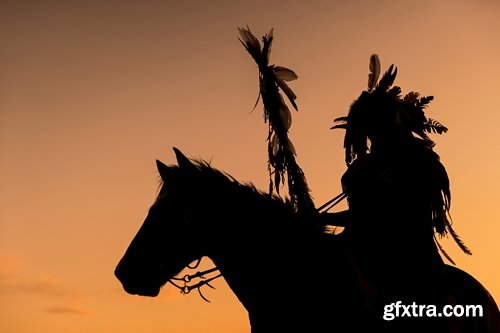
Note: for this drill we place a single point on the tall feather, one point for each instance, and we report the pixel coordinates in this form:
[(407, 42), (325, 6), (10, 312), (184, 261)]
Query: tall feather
[(387, 79), (251, 44), (374, 72), (267, 41), (282, 164)]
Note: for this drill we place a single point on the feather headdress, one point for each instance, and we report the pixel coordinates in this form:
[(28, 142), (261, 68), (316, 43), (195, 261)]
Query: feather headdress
[(382, 104), (380, 110)]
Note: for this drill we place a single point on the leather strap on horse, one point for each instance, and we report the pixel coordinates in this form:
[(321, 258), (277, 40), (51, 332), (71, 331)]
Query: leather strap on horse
[(186, 288)]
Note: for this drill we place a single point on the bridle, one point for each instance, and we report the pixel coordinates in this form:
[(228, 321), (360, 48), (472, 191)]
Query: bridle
[(186, 279), (186, 288)]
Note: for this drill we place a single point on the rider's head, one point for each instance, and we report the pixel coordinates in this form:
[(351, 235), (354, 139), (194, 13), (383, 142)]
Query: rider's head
[(375, 117), (380, 119)]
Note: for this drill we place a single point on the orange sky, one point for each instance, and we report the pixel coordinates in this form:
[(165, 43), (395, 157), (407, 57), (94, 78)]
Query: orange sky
[(92, 92)]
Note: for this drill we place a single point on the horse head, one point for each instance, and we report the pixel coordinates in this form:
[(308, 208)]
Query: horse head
[(167, 241)]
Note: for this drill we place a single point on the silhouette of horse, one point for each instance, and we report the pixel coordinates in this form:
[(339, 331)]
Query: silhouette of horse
[(287, 272)]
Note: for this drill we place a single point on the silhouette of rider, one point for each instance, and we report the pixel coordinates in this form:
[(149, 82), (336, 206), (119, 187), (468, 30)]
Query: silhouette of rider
[(397, 190)]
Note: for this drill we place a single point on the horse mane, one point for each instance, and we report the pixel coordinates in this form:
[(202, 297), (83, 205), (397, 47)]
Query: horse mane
[(244, 198), (247, 190)]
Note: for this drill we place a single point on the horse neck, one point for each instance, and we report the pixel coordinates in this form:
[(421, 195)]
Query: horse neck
[(267, 253), (286, 285), (240, 241), (264, 253)]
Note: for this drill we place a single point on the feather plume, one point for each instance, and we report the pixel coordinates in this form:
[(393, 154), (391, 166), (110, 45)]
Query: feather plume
[(433, 126), (273, 80), (411, 97), (288, 92), (424, 101), (248, 39), (341, 122), (457, 239), (387, 79), (251, 44), (394, 91), (441, 249), (267, 41), (291, 147), (286, 116), (374, 72), (284, 73)]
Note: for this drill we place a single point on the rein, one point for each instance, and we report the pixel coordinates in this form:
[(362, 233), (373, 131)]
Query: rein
[(331, 203), (186, 279)]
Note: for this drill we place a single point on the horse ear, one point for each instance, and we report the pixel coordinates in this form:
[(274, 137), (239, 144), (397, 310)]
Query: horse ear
[(163, 170), (183, 161)]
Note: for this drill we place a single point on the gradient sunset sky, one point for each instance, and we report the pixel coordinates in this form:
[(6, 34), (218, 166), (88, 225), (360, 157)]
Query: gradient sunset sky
[(92, 92)]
